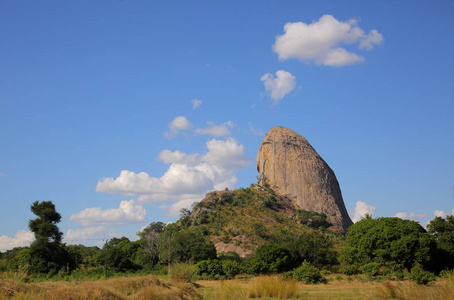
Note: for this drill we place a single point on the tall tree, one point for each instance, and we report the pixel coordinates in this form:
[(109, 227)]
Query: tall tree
[(47, 253), (44, 227), (442, 229)]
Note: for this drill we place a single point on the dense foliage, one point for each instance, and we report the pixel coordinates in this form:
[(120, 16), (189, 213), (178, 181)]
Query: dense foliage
[(388, 241)]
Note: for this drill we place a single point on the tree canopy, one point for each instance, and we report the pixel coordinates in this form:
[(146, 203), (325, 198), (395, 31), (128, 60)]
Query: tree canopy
[(388, 241)]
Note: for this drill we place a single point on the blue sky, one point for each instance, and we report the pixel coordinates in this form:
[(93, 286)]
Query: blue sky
[(123, 112)]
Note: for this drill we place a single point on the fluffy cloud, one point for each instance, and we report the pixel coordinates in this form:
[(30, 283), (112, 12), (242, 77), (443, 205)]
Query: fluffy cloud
[(174, 209), (441, 213), (361, 209), (77, 236), (21, 238), (410, 216), (319, 41), (278, 86), (128, 212), (216, 130), (196, 103), (188, 177), (178, 124)]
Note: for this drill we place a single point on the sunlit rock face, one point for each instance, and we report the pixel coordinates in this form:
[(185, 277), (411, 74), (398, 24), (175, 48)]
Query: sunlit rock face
[(289, 165)]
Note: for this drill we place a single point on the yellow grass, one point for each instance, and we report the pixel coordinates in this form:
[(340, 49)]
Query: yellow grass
[(262, 287)]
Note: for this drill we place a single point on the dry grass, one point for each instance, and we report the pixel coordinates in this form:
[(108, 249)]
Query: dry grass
[(259, 287), (262, 287), (146, 287), (181, 272), (443, 289)]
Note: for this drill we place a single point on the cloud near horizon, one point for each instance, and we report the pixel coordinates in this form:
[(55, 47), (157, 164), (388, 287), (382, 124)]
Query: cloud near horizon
[(76, 236), (410, 216), (278, 86), (188, 177), (319, 41), (22, 238), (127, 213), (361, 209)]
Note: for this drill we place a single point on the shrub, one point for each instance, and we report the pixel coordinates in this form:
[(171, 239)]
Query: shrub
[(209, 269), (349, 270), (420, 276), (306, 273), (231, 268), (370, 269)]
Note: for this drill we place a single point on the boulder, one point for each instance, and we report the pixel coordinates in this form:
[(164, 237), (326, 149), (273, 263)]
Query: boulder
[(288, 164)]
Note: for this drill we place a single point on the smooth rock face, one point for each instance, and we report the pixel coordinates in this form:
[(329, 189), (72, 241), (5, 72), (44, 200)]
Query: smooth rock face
[(289, 165)]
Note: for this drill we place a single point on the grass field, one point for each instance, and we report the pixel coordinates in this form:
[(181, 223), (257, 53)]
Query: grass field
[(263, 287)]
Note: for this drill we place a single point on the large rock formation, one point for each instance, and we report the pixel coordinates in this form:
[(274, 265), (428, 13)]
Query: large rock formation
[(289, 165)]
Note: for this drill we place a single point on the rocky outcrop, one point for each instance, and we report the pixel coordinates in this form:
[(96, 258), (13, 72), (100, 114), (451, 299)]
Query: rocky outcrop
[(289, 165)]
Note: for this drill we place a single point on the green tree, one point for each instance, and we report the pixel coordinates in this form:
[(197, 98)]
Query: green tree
[(119, 254), (176, 245), (315, 247), (388, 241), (47, 253), (442, 229), (271, 258), (148, 253)]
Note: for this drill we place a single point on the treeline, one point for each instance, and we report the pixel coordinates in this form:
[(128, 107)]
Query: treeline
[(390, 247)]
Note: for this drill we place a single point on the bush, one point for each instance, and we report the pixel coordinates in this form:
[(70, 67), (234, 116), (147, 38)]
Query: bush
[(370, 269), (349, 270), (231, 268), (420, 276), (216, 269), (307, 273)]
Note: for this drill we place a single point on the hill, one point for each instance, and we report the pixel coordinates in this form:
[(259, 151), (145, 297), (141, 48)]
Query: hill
[(244, 219)]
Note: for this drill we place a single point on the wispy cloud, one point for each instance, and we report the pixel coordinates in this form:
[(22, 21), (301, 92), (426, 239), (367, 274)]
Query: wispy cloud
[(216, 129), (410, 216), (196, 103)]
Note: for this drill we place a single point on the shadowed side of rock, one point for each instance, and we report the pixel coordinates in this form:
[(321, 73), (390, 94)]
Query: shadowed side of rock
[(288, 164)]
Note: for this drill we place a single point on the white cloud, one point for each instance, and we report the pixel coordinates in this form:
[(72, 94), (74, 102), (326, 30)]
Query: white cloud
[(77, 236), (2, 174), (178, 124), (319, 41), (128, 212), (185, 179), (367, 42), (22, 238), (361, 209), (170, 157), (174, 209), (439, 213), (216, 130), (410, 216), (278, 86), (196, 103)]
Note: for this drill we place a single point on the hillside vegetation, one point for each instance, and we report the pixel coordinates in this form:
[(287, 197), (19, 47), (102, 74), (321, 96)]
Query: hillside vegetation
[(244, 219)]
